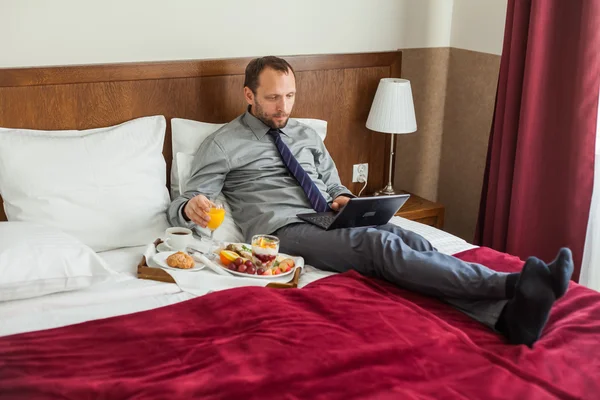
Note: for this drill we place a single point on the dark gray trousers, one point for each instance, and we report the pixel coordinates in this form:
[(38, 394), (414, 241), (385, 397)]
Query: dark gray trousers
[(403, 258)]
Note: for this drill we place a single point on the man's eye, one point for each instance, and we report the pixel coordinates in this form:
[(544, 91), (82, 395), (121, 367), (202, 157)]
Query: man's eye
[(290, 95)]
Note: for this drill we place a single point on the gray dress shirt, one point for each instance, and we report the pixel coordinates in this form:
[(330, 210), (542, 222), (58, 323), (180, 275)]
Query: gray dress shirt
[(242, 161)]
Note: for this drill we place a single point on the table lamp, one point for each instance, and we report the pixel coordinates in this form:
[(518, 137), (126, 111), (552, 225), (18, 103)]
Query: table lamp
[(392, 112)]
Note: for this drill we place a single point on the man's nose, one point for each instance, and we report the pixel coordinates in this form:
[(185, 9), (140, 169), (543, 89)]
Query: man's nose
[(283, 104)]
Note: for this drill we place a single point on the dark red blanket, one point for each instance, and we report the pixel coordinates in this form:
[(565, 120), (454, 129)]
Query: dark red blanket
[(342, 337)]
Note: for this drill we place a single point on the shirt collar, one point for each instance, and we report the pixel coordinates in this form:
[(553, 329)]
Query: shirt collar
[(259, 128)]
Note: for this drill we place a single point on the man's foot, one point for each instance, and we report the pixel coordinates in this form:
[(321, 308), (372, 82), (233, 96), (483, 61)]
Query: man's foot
[(525, 315), (561, 270)]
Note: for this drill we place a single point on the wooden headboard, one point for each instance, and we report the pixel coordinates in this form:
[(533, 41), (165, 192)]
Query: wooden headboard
[(337, 88)]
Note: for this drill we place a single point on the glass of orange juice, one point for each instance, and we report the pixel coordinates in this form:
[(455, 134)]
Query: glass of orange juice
[(217, 215)]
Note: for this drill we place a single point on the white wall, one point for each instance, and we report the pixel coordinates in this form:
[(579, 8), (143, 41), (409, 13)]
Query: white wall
[(60, 32), (478, 25)]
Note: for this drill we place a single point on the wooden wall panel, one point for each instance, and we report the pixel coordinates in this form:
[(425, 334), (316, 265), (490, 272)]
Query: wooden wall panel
[(336, 88), (343, 98)]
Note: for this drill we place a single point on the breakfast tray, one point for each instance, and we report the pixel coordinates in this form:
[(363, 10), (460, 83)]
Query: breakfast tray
[(159, 274)]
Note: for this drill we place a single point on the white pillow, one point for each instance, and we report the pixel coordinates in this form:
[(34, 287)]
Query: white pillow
[(228, 231), (188, 135), (106, 187), (36, 260), (186, 138), (318, 125)]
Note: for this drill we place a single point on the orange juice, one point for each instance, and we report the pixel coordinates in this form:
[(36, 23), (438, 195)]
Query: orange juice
[(217, 215)]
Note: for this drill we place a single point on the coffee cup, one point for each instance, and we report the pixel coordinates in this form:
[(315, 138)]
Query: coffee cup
[(178, 238)]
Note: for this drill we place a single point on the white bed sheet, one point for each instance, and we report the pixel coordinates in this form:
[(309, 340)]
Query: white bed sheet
[(126, 294)]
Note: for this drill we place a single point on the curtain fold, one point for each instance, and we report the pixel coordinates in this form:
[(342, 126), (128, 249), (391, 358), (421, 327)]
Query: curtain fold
[(538, 182)]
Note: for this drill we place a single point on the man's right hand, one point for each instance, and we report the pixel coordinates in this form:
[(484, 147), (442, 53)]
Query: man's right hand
[(196, 210)]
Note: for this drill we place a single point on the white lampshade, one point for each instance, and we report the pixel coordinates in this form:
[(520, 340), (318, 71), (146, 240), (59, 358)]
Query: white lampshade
[(393, 110)]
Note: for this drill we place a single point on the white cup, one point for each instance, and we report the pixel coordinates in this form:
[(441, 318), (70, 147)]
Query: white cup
[(178, 238)]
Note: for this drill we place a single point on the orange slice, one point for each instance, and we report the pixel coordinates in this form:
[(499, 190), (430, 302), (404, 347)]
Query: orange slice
[(227, 257)]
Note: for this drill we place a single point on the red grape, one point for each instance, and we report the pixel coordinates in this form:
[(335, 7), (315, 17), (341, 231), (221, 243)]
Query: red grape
[(260, 271), (251, 270), (249, 264), (238, 261), (232, 267), (242, 268), (265, 257)]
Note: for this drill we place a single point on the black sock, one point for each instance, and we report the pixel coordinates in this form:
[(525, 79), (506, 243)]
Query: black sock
[(561, 269), (526, 313), (532, 294), (511, 284), (501, 323)]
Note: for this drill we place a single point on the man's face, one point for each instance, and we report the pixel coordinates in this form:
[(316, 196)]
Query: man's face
[(274, 98)]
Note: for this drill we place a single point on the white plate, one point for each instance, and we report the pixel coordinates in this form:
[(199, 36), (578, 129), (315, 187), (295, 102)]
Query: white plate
[(280, 257), (244, 275), (161, 260)]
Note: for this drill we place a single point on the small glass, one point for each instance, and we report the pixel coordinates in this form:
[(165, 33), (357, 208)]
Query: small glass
[(265, 248), (217, 215)]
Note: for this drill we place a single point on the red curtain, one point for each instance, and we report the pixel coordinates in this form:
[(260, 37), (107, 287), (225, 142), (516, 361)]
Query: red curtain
[(538, 181)]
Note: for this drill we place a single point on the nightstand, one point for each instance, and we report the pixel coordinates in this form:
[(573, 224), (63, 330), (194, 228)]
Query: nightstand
[(424, 211)]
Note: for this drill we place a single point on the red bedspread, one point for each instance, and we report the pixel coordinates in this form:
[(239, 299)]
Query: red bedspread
[(342, 337)]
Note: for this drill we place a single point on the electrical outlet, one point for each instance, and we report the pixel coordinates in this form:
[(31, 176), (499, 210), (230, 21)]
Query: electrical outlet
[(360, 171)]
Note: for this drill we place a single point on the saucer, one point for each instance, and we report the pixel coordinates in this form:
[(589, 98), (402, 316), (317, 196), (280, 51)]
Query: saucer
[(162, 247)]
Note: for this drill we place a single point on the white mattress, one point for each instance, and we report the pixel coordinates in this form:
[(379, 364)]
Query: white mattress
[(126, 294)]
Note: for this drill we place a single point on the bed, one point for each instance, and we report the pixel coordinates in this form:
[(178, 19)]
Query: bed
[(337, 336)]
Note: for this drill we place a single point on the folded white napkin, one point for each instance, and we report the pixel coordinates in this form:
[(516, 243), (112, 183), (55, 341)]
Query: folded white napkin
[(212, 277)]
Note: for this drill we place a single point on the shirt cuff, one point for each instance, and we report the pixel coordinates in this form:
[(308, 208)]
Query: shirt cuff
[(182, 214)]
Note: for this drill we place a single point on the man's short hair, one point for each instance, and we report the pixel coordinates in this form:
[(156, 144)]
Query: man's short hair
[(256, 66)]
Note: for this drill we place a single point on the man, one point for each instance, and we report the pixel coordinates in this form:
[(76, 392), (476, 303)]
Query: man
[(271, 168)]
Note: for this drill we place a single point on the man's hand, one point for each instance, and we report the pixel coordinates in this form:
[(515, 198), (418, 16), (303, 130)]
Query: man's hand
[(196, 209), (339, 202)]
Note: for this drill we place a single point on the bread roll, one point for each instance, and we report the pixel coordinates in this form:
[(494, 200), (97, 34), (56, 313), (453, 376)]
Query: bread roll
[(180, 260)]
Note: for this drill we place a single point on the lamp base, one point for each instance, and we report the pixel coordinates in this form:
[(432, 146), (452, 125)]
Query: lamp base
[(386, 191)]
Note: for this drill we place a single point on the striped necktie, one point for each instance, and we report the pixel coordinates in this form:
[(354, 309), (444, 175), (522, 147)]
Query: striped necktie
[(316, 199)]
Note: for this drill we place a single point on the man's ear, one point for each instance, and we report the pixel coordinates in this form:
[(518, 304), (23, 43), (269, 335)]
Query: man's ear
[(248, 95)]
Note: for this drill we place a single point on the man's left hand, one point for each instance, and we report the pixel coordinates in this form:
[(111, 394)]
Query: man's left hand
[(339, 202)]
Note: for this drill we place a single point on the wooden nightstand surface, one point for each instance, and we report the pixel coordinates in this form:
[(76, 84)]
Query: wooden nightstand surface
[(422, 210)]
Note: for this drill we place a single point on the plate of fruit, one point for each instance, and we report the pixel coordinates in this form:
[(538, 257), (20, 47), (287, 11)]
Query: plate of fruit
[(261, 259)]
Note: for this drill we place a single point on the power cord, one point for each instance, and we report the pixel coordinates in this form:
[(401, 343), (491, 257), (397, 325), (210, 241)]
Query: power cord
[(362, 179)]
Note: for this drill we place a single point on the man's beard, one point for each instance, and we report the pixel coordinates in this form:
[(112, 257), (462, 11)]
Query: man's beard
[(268, 120)]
